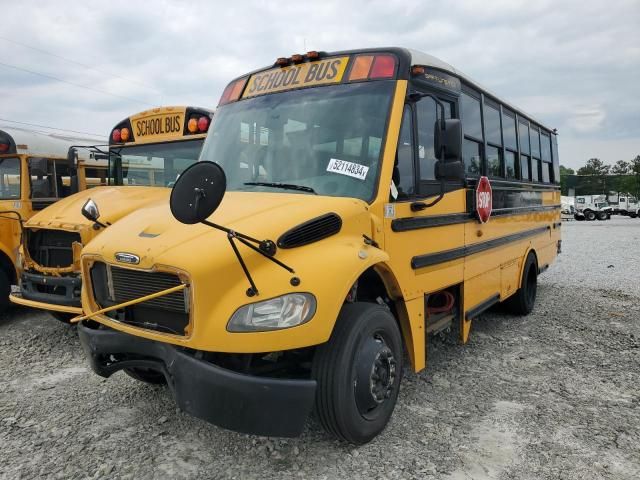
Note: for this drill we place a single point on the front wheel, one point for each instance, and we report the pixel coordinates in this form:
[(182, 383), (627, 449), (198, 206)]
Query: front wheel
[(590, 216), (523, 301), (5, 290), (358, 373)]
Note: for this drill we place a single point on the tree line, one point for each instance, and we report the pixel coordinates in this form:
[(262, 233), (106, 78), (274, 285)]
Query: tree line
[(596, 177)]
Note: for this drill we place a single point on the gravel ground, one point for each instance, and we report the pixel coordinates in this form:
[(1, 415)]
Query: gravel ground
[(554, 395)]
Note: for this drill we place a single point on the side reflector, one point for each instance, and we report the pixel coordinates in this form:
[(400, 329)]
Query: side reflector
[(384, 66), (233, 91), (192, 125), (361, 67), (125, 134)]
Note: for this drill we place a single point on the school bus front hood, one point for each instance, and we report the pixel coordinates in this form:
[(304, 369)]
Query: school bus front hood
[(152, 233), (203, 257), (113, 203)]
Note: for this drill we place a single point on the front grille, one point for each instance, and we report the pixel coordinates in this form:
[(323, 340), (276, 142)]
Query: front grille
[(311, 231), (114, 285), (51, 248)]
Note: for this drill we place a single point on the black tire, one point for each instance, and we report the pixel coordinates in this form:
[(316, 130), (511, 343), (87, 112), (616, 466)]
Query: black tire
[(358, 373), (523, 301), (63, 317), (633, 215), (578, 217), (589, 215), (146, 375), (602, 216), (5, 290)]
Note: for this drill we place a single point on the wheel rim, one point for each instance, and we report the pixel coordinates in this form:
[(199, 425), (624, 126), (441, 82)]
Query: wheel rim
[(375, 375)]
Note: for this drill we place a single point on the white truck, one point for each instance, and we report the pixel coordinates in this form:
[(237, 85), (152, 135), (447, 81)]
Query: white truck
[(623, 204), (592, 207)]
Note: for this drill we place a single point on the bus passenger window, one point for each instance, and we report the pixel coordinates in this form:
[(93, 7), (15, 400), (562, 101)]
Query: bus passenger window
[(471, 156), (494, 168), (510, 163), (403, 175), (524, 167)]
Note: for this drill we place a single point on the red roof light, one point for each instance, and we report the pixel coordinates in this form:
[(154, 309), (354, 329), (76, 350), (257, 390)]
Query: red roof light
[(115, 136), (203, 124), (4, 147), (384, 66)]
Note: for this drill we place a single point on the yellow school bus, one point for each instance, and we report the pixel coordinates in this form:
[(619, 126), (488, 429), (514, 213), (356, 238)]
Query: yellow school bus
[(346, 206), (34, 173), (146, 153)]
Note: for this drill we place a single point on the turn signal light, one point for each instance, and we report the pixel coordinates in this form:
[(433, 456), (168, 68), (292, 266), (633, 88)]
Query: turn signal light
[(125, 134), (115, 136), (233, 91)]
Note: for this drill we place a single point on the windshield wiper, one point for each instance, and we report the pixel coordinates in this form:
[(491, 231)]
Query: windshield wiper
[(286, 186)]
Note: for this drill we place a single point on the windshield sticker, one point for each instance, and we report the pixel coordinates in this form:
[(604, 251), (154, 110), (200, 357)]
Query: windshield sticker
[(351, 169)]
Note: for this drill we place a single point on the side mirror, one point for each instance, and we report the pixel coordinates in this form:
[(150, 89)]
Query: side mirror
[(90, 211), (450, 139), (451, 171)]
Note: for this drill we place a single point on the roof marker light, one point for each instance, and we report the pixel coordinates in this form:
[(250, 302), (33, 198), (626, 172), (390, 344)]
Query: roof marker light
[(417, 70), (125, 134), (313, 55), (297, 58), (282, 61), (4, 147)]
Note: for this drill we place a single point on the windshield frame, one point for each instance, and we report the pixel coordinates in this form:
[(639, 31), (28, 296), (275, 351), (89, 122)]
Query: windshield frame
[(391, 98), (114, 161), (20, 175)]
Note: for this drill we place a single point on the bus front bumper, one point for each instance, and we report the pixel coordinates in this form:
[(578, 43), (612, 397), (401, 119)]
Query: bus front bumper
[(49, 290), (231, 400)]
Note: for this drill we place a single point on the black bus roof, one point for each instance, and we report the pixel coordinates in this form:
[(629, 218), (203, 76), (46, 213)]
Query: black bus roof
[(407, 58)]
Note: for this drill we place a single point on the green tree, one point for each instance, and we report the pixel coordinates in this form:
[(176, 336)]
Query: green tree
[(564, 172), (595, 167), (621, 167)]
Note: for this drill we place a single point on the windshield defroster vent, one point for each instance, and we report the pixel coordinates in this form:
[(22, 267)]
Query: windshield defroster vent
[(311, 231)]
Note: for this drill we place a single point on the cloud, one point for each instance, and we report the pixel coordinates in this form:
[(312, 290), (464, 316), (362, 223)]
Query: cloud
[(574, 65)]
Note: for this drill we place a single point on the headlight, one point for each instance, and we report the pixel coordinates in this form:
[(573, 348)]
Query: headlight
[(273, 314)]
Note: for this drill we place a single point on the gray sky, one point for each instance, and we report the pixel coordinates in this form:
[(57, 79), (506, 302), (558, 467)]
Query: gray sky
[(574, 65)]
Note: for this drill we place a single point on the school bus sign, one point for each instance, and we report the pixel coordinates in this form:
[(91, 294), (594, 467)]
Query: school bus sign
[(309, 74)]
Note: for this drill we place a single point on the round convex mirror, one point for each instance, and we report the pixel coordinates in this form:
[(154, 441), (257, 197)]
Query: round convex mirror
[(197, 192)]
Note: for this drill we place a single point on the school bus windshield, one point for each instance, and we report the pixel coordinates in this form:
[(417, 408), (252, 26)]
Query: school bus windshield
[(327, 139), (157, 165)]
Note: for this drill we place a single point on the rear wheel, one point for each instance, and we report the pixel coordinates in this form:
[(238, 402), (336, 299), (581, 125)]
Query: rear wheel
[(146, 375), (589, 215), (523, 301), (602, 216), (358, 373), (5, 290)]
